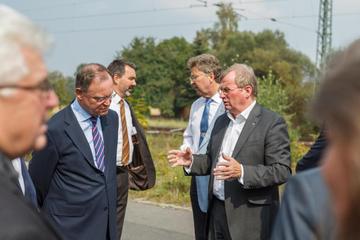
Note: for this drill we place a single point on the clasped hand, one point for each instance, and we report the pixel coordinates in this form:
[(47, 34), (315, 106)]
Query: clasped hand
[(228, 169)]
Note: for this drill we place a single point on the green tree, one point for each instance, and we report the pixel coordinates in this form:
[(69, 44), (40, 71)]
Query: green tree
[(63, 86), (161, 72)]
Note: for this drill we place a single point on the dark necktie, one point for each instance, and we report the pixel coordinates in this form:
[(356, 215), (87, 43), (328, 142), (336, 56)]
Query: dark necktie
[(30, 192), (204, 124), (125, 146), (98, 145)]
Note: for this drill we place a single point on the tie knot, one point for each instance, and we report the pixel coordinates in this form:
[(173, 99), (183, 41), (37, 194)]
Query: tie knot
[(208, 101), (93, 120)]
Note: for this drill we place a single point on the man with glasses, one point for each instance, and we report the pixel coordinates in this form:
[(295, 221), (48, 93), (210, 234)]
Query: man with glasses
[(74, 174), (24, 104), (248, 156), (132, 150), (205, 71)]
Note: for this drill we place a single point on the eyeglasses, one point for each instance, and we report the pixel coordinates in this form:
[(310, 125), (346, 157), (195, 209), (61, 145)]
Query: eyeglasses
[(100, 99), (226, 90), (194, 77), (43, 86)]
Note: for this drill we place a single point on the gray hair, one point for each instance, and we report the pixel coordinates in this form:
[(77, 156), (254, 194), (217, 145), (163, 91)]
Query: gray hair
[(244, 75), (206, 63), (17, 31)]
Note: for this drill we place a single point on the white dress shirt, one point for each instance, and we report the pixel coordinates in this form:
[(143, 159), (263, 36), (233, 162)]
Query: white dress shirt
[(115, 105), (17, 166), (85, 123), (231, 137), (192, 131)]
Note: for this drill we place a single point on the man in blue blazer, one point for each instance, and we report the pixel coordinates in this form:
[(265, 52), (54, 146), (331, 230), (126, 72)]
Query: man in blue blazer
[(74, 175)]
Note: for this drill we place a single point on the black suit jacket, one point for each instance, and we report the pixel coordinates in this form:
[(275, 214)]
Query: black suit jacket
[(18, 218), (312, 158), (263, 148), (78, 197)]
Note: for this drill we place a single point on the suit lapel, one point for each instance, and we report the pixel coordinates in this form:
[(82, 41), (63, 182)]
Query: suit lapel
[(218, 136), (107, 131), (249, 126), (75, 133)]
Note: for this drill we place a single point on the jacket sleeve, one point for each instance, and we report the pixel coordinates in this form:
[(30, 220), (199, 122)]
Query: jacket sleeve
[(312, 158), (42, 167), (295, 218)]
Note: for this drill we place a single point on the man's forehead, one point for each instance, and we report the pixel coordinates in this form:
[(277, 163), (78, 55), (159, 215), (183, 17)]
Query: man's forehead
[(228, 79)]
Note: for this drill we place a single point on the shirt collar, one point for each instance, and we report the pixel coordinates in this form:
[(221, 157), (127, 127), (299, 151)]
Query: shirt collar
[(80, 112), (215, 98), (244, 114), (116, 98)]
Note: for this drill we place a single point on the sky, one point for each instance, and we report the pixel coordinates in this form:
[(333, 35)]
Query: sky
[(87, 31)]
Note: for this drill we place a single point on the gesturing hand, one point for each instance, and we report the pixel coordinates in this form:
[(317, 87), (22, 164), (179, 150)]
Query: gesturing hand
[(180, 158), (228, 169)]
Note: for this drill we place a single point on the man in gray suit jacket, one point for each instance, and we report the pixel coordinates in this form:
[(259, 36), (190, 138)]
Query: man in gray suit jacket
[(248, 156)]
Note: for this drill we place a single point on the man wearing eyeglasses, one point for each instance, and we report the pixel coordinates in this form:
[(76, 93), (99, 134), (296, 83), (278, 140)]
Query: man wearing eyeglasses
[(133, 152), (74, 174), (204, 77), (248, 156), (24, 104)]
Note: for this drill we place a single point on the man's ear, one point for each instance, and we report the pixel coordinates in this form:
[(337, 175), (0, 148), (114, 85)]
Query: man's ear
[(116, 79), (249, 90), (79, 93), (212, 77)]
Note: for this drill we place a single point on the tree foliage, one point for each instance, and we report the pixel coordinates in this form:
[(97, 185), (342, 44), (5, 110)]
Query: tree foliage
[(163, 79), (63, 86)]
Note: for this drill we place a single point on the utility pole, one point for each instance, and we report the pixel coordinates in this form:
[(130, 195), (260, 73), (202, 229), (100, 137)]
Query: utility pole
[(324, 35)]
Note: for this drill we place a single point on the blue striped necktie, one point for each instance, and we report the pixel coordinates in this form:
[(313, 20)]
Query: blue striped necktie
[(204, 124), (202, 182), (98, 145)]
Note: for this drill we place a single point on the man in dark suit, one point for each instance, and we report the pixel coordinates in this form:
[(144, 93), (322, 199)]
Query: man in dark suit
[(74, 174), (25, 98), (312, 158), (306, 209), (133, 152), (248, 156)]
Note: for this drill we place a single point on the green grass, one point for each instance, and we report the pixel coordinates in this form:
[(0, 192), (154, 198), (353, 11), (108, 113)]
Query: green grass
[(166, 123), (171, 185)]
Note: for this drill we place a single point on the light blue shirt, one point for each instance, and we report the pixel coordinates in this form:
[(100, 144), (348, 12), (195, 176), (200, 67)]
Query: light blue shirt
[(84, 121)]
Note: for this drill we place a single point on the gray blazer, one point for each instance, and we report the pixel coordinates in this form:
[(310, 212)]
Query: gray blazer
[(264, 150), (305, 212)]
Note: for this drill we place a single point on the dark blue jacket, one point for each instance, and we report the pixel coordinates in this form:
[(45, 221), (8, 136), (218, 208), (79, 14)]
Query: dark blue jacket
[(79, 199)]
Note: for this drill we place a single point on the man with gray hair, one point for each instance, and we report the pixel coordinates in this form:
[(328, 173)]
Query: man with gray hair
[(248, 156), (25, 99), (205, 71)]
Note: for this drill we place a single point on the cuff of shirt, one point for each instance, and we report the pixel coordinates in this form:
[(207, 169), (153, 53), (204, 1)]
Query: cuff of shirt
[(188, 169), (241, 178)]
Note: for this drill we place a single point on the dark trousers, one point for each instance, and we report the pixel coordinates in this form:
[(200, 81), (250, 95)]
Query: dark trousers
[(219, 229), (122, 177), (198, 216)]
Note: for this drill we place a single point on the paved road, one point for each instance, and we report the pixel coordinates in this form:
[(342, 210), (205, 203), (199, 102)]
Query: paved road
[(153, 222)]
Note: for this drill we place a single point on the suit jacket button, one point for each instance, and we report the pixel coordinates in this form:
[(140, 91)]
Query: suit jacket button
[(105, 208)]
